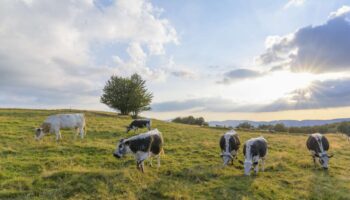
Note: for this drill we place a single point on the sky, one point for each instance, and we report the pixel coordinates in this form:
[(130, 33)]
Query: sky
[(237, 59)]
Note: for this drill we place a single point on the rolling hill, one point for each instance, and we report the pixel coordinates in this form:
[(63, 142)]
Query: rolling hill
[(191, 167), (288, 123)]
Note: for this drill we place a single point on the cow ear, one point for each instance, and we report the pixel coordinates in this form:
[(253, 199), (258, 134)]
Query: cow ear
[(127, 143)]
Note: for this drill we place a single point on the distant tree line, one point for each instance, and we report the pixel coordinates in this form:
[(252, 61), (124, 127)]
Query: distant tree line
[(343, 127), (191, 120)]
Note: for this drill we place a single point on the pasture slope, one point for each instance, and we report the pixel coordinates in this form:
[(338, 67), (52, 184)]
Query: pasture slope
[(191, 167)]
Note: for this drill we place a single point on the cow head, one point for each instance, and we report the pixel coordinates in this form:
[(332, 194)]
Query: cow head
[(39, 133), (121, 149), (226, 157), (323, 158), (128, 128), (247, 167)]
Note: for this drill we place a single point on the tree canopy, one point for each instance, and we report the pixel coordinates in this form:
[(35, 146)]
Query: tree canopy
[(127, 95)]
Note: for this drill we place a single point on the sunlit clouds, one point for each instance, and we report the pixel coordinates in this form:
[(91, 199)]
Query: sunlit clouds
[(236, 59)]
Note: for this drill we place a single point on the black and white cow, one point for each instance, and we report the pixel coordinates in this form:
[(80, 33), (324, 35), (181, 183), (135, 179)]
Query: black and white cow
[(254, 150), (318, 146), (143, 146), (229, 144), (139, 123)]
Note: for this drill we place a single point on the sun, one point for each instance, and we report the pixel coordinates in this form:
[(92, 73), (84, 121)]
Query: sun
[(270, 87)]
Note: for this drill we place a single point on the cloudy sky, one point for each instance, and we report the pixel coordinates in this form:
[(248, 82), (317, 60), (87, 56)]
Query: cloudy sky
[(241, 59)]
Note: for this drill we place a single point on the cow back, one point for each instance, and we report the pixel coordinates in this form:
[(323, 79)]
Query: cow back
[(140, 144), (237, 142), (312, 144), (258, 147), (233, 143), (152, 143), (139, 123), (325, 143)]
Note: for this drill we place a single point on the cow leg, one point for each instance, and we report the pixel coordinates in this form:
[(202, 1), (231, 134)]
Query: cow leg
[(76, 133), (81, 130), (140, 157), (234, 156), (58, 136), (158, 160), (256, 168), (140, 166), (314, 159)]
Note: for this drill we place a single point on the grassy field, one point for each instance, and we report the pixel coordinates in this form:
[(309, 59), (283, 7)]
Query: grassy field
[(191, 167)]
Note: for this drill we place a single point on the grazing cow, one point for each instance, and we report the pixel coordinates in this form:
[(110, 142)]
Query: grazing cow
[(318, 146), (229, 144), (139, 123), (54, 123), (254, 150), (144, 145)]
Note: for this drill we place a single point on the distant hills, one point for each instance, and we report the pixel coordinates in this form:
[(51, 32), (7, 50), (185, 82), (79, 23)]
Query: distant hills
[(288, 123)]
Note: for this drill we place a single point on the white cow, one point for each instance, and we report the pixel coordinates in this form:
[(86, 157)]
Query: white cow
[(54, 123)]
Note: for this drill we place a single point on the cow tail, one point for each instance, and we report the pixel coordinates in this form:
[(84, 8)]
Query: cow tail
[(162, 150)]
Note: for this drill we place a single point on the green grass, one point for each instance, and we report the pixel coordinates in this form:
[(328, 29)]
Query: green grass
[(191, 167)]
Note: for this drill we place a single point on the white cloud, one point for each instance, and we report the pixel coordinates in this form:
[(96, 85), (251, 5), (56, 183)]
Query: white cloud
[(240, 74), (185, 73), (317, 49), (294, 3), (46, 46), (321, 94), (344, 10), (136, 53)]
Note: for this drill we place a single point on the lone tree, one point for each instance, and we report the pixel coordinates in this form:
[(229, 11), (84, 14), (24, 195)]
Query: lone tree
[(127, 95)]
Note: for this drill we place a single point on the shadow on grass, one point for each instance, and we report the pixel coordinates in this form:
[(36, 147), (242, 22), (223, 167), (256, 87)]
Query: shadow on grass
[(199, 182), (67, 184)]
